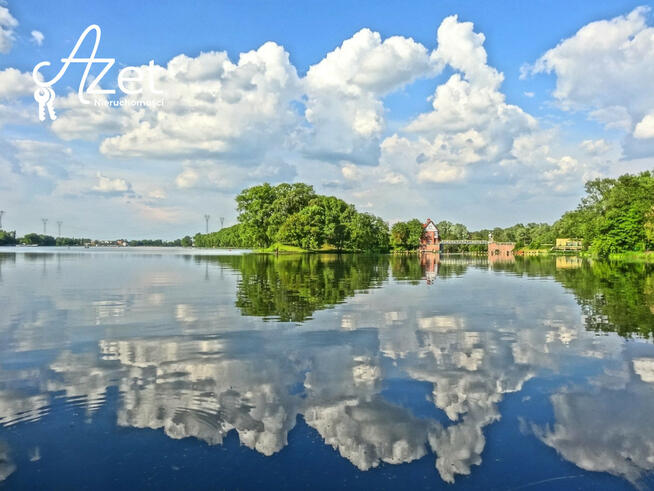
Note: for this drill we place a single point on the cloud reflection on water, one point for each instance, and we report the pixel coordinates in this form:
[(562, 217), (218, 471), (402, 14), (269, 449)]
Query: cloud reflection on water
[(192, 361)]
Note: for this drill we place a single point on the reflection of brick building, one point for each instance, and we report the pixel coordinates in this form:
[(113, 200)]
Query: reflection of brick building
[(499, 257), (431, 238), (430, 264)]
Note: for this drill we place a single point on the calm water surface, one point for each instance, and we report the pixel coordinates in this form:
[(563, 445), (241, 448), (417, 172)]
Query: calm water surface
[(167, 369)]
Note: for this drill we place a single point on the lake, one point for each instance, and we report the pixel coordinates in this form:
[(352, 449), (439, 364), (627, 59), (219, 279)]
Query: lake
[(176, 368)]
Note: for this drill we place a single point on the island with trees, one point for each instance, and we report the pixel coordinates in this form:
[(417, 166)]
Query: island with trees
[(292, 217)]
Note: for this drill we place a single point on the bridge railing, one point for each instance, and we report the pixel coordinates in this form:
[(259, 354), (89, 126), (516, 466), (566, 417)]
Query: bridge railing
[(465, 242)]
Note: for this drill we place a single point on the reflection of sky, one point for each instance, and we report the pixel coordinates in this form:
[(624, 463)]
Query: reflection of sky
[(7, 466), (166, 333)]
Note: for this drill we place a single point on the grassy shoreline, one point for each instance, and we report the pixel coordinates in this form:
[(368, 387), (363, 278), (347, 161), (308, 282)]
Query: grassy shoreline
[(278, 248), (633, 257), (281, 249)]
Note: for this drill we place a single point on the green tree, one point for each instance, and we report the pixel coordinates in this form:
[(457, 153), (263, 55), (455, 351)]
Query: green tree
[(399, 236), (415, 233), (225, 237), (459, 232), (445, 229), (405, 236), (7, 238), (38, 239), (368, 233), (264, 209), (337, 215), (649, 226), (621, 208), (304, 228)]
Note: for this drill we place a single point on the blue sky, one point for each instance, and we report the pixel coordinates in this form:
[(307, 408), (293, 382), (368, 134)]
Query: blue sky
[(344, 98)]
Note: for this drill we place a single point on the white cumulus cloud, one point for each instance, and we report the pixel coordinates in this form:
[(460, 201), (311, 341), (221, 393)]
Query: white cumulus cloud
[(344, 91), (606, 68), (7, 26), (37, 37), (470, 123), (14, 83), (108, 185)]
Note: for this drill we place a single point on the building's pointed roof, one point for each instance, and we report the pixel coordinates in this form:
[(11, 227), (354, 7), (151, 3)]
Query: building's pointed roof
[(426, 224)]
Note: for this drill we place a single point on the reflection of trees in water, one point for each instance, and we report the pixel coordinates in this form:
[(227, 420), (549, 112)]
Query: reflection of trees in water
[(6, 259), (332, 371), (407, 267), (292, 288), (614, 297), (535, 266)]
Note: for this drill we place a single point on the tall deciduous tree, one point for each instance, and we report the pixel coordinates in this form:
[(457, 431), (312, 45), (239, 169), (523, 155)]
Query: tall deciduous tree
[(264, 209)]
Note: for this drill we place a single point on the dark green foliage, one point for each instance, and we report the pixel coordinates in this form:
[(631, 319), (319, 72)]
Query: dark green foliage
[(405, 236), (264, 209), (456, 231), (71, 241), (304, 228), (368, 233), (226, 237), (38, 239), (531, 235), (293, 287), (452, 231), (614, 296), (158, 242), (338, 218), (649, 225), (616, 215), (294, 215), (407, 267), (7, 238)]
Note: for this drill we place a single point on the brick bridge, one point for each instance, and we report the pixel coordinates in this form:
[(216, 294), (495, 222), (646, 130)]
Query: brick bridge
[(431, 242)]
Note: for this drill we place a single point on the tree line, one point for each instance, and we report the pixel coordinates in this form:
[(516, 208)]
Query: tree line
[(294, 215), (185, 241), (615, 215), (10, 239)]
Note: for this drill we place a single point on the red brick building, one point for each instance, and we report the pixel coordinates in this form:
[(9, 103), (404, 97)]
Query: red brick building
[(431, 238)]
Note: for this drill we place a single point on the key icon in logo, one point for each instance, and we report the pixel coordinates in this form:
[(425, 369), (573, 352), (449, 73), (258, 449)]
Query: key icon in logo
[(45, 97)]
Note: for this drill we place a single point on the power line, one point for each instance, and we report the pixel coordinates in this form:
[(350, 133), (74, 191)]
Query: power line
[(206, 222), (222, 220), (2, 212), (45, 224), (59, 224)]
